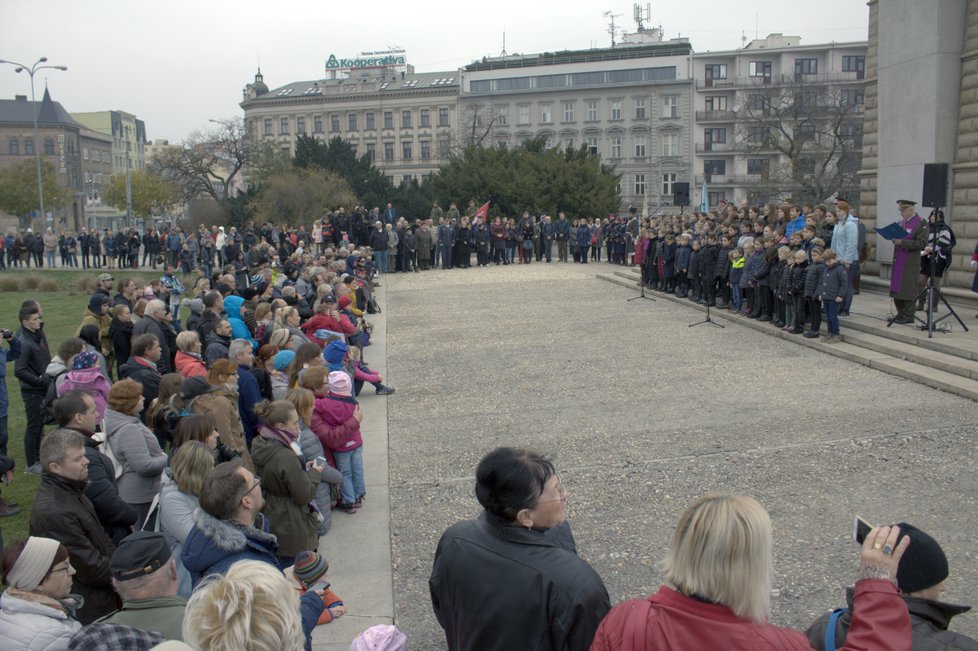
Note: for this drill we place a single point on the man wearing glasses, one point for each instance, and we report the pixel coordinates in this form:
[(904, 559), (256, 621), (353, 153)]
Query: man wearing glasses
[(906, 261), (229, 526)]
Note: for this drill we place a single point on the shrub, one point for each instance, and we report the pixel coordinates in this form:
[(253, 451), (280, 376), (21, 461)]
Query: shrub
[(86, 284), (31, 282), (47, 285), (9, 284)]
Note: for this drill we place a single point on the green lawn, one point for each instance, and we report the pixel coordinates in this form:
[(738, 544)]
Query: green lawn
[(63, 296)]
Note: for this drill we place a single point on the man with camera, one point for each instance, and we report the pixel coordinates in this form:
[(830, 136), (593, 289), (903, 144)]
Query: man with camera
[(29, 369)]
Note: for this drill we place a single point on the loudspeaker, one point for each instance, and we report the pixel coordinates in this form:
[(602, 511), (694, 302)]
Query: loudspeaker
[(935, 185), (680, 194)]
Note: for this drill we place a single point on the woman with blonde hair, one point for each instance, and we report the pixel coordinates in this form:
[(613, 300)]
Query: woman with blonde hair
[(189, 361), (181, 485), (288, 318), (251, 608), (720, 564)]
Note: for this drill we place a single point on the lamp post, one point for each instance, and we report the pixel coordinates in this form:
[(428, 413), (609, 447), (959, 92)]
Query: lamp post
[(30, 70)]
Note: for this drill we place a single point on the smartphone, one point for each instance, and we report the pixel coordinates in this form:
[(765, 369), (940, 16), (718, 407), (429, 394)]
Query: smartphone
[(860, 529), (320, 461)]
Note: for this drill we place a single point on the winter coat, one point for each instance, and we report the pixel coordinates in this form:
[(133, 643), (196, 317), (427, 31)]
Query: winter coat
[(34, 622), (138, 450), (694, 263), (928, 621), (561, 599), (103, 322), (722, 269), (91, 380), (217, 348), (121, 335), (222, 405), (834, 283), (213, 545), (189, 364), (796, 279), (708, 261), (249, 395), (813, 279), (676, 621), (288, 488), (312, 448), (115, 515), (176, 519), (62, 512), (335, 411), (33, 361), (144, 372), (149, 325)]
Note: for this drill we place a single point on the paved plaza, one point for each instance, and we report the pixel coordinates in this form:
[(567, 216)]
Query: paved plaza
[(643, 414)]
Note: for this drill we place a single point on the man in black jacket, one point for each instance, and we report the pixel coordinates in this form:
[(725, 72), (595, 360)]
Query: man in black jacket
[(62, 512), (151, 323), (76, 411), (29, 369)]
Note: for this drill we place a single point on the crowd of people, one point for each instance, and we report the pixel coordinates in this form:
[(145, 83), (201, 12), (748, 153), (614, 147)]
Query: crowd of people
[(186, 447)]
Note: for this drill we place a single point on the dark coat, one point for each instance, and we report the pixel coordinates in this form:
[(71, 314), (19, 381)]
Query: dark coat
[(121, 335), (928, 621), (116, 516), (561, 599), (216, 348), (33, 361), (834, 283), (813, 278), (213, 545), (145, 373), (288, 490), (62, 512), (149, 325)]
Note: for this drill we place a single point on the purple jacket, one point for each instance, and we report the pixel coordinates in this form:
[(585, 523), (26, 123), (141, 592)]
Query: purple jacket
[(335, 411)]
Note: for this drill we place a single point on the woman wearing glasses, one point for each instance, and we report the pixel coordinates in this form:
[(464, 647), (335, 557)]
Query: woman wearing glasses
[(37, 610), (511, 579)]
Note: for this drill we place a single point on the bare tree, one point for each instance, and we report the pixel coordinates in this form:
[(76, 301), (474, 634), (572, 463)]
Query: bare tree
[(475, 127), (210, 163), (811, 134)]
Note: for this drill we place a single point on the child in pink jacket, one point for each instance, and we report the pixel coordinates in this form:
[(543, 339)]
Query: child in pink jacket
[(86, 374), (336, 409)]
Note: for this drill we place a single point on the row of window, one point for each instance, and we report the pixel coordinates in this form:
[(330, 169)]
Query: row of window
[(592, 111), (352, 122), (639, 183), (96, 178), (14, 146), (665, 73), (853, 63)]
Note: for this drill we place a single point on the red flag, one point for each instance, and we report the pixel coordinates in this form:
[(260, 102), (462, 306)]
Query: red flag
[(483, 212)]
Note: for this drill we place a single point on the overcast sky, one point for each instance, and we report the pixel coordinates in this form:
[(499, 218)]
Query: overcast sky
[(177, 63)]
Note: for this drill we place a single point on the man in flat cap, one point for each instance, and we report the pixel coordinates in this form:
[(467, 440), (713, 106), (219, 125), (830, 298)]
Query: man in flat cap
[(145, 576), (906, 261)]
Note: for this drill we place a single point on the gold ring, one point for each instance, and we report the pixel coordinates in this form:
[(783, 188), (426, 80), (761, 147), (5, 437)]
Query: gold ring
[(877, 546)]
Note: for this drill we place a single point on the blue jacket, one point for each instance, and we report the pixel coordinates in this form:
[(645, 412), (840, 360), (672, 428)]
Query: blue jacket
[(682, 257), (7, 356), (232, 306), (583, 236), (562, 229), (249, 394), (213, 545), (845, 239)]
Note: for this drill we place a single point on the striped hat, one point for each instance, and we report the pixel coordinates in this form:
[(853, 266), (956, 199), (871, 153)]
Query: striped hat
[(309, 567)]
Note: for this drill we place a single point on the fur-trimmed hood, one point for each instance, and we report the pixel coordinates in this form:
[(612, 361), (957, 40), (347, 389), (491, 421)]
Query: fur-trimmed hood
[(213, 545)]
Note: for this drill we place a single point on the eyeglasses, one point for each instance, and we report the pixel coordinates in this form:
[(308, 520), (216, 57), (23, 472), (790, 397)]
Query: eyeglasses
[(561, 492), (251, 488)]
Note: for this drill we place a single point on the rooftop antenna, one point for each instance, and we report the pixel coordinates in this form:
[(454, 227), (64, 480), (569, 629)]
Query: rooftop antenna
[(757, 34), (743, 40), (503, 53), (641, 15), (612, 29)]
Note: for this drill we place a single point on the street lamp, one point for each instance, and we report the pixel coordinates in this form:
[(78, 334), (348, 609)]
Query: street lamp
[(30, 70)]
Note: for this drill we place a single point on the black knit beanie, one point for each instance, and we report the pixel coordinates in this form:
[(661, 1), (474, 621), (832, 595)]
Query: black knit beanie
[(923, 564)]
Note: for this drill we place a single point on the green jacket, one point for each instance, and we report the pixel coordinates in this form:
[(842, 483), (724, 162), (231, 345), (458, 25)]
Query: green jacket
[(161, 614), (288, 489)]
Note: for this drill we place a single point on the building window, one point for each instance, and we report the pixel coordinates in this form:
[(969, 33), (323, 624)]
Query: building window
[(640, 146), (568, 111), (388, 119), (502, 116), (317, 124), (49, 146), (757, 165), (713, 168), (805, 100), (443, 148), (84, 153), (853, 97), (668, 180), (405, 151), (443, 117), (14, 147), (371, 152), (855, 64), (852, 131), (351, 122), (640, 184), (405, 119), (546, 113), (388, 151), (568, 142), (806, 66), (760, 69), (425, 118), (592, 110), (759, 104), (592, 145), (714, 72), (758, 135), (334, 124), (425, 149), (615, 146), (640, 108), (369, 119), (716, 103), (670, 106), (524, 115), (805, 132), (300, 126), (615, 109), (283, 126), (29, 146), (268, 127), (670, 144), (714, 137)]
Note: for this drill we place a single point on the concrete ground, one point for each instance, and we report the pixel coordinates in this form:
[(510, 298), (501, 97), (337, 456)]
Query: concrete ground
[(643, 414)]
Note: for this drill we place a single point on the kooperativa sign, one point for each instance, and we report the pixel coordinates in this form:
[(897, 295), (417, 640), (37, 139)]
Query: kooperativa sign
[(368, 60)]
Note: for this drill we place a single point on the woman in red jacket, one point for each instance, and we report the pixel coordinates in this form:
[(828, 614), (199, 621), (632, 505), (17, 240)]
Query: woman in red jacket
[(719, 564)]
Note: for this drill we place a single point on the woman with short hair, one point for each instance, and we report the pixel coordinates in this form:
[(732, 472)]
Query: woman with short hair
[(719, 563), (189, 361)]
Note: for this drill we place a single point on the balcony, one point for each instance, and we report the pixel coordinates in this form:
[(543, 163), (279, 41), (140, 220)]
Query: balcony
[(714, 179), (715, 116), (780, 80), (717, 147)]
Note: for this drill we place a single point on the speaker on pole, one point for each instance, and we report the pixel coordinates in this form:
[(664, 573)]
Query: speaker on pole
[(680, 194), (935, 185)]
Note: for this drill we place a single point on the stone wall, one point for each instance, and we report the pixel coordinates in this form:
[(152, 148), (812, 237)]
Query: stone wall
[(965, 168), (868, 174)]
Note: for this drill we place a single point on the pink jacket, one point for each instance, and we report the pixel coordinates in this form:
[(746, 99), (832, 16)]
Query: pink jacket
[(335, 426), (91, 380)]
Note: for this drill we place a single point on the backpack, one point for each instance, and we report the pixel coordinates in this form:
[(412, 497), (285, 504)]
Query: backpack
[(49, 397)]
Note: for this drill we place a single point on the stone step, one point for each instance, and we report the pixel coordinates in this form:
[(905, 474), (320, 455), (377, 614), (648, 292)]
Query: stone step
[(934, 368), (913, 336)]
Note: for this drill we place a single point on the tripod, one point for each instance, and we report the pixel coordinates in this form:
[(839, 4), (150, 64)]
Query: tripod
[(707, 319), (641, 284), (931, 290)]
